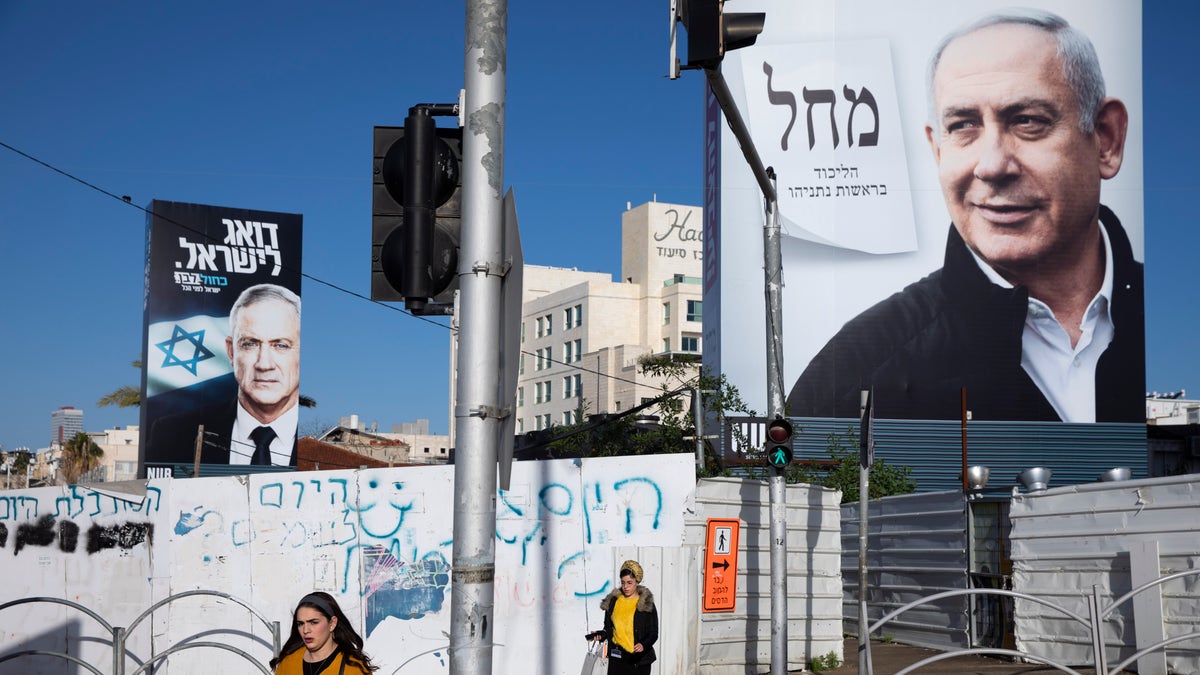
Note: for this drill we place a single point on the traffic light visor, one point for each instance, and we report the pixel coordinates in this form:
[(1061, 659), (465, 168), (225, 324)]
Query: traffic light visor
[(779, 430)]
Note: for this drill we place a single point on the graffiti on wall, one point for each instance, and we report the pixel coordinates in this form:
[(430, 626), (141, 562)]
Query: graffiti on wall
[(66, 522)]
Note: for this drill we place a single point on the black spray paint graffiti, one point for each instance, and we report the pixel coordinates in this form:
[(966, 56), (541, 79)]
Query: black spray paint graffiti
[(814, 97), (44, 533)]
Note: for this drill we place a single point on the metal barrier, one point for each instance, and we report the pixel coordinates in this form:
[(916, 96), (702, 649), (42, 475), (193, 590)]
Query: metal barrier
[(1093, 623), (119, 634)]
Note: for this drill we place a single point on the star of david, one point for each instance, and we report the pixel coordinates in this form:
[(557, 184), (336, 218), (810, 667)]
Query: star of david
[(178, 337)]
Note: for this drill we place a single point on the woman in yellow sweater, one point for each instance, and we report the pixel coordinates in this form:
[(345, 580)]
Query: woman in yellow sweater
[(322, 641), (630, 624)]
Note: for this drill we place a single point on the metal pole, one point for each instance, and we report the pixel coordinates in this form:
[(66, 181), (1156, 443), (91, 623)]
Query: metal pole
[(773, 271), (720, 90), (864, 505), (698, 413), (477, 408), (972, 605)]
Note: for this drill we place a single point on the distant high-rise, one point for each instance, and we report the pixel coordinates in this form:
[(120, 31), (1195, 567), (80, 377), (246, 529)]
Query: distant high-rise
[(64, 424)]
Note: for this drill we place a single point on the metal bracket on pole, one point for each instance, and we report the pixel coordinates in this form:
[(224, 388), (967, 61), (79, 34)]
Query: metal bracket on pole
[(491, 268), (482, 411)]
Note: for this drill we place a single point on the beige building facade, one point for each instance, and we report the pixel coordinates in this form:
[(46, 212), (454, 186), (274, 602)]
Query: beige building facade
[(582, 333)]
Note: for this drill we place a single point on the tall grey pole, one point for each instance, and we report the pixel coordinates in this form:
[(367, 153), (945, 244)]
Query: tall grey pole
[(864, 504), (477, 408), (865, 461), (773, 273)]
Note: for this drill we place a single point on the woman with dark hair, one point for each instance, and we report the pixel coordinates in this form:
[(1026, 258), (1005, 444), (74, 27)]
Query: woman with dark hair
[(630, 624), (329, 642)]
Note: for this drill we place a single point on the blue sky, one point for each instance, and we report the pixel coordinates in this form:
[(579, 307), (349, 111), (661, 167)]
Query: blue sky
[(270, 106)]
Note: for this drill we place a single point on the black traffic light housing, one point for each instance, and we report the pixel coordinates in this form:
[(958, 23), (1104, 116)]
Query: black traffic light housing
[(712, 32), (416, 211), (780, 444)]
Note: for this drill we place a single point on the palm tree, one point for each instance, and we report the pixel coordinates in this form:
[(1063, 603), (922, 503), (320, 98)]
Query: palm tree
[(79, 456), (126, 396)]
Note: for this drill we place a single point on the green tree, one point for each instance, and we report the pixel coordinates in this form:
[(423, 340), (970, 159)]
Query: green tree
[(884, 479), (79, 456), (675, 432), (18, 465)]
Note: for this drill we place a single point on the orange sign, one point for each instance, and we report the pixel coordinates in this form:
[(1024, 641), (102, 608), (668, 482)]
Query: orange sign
[(720, 564)]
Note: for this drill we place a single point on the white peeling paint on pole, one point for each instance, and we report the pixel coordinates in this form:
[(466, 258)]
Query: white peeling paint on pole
[(476, 409), (773, 285)]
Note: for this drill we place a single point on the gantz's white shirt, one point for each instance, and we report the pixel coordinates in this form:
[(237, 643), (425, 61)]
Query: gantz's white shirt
[(1066, 375), (241, 449)]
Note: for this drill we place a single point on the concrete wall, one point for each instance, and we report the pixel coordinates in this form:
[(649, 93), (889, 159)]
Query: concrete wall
[(739, 642), (380, 540)]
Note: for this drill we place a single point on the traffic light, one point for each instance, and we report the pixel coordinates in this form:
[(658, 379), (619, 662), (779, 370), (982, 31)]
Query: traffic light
[(779, 443), (712, 32), (416, 209)]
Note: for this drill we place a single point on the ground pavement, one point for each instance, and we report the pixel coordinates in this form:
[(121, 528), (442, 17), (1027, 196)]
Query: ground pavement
[(889, 658)]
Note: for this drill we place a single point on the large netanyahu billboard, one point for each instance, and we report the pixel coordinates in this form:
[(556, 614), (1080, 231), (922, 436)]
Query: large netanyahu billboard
[(960, 198), (221, 336)]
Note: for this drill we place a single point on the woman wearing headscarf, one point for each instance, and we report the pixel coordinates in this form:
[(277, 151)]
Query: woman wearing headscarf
[(322, 641), (630, 623)]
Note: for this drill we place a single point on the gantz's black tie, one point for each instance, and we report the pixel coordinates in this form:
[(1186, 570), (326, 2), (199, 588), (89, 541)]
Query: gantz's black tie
[(262, 438)]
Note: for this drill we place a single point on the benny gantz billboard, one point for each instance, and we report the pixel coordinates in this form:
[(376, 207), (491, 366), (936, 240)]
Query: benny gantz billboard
[(221, 345), (960, 194)]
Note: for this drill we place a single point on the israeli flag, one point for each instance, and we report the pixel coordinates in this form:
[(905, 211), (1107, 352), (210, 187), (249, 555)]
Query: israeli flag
[(186, 352)]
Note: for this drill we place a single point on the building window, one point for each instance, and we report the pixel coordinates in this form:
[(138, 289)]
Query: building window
[(666, 313), (537, 397), (520, 396), (548, 394), (541, 327), (520, 426), (666, 344), (570, 417), (572, 386), (545, 325), (573, 351), (695, 310), (427, 451), (689, 343), (521, 361), (572, 317), (522, 332)]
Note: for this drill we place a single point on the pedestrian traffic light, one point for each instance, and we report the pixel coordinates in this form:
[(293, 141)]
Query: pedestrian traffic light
[(711, 32), (416, 211), (779, 443)]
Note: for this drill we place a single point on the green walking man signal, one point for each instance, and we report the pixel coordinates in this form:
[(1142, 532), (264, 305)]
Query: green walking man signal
[(779, 443)]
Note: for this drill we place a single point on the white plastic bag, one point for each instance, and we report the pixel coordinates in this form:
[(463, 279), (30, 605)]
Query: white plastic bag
[(595, 662)]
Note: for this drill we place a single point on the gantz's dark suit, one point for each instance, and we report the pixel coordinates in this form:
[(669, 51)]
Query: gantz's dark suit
[(172, 439)]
